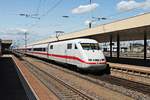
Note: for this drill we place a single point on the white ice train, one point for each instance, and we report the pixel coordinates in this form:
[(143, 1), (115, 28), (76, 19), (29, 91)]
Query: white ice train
[(83, 53)]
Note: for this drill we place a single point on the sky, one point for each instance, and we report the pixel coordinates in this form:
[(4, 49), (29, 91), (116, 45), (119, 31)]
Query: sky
[(42, 18)]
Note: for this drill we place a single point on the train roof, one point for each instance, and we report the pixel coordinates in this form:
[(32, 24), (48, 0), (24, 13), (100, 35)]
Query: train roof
[(80, 40), (83, 40)]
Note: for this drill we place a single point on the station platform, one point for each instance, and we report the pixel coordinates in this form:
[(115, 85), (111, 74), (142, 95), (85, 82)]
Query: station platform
[(18, 83), (135, 73), (135, 68), (10, 84)]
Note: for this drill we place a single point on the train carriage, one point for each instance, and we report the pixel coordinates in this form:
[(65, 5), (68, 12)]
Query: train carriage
[(83, 53), (38, 50)]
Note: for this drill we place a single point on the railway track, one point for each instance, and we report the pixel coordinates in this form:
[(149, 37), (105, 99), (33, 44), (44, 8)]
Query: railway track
[(103, 80), (143, 88), (60, 88)]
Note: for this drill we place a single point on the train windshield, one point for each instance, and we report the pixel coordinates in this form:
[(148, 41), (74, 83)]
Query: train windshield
[(90, 46)]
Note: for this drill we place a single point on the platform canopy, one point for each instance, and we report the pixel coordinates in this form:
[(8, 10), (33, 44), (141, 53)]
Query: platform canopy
[(131, 28), (6, 44)]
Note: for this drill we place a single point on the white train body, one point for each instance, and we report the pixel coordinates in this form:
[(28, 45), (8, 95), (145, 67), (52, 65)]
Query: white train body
[(83, 53)]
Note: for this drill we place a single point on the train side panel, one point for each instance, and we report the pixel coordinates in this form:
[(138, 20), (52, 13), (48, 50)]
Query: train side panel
[(39, 50), (56, 51), (65, 52), (74, 53), (83, 53)]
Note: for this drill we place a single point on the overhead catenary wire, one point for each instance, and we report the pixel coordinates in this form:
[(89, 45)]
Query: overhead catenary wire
[(59, 1), (47, 12), (38, 7), (52, 8), (109, 17), (120, 12), (33, 15)]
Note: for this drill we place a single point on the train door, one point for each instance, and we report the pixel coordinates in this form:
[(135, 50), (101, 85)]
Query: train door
[(76, 54), (48, 48), (50, 51), (68, 53)]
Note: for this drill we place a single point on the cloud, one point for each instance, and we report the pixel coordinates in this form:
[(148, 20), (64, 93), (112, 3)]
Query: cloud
[(9, 37), (126, 5), (84, 8), (146, 4), (21, 30), (13, 31)]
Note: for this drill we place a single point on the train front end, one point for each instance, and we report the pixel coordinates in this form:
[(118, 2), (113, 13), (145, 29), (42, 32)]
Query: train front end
[(93, 57)]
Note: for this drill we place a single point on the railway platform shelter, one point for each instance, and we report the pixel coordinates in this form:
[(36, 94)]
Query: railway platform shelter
[(5, 44)]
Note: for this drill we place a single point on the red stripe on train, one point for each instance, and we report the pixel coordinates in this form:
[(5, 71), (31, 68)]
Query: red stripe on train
[(68, 57)]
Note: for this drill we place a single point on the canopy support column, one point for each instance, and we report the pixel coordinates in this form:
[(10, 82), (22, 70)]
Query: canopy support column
[(111, 45), (145, 44), (118, 45)]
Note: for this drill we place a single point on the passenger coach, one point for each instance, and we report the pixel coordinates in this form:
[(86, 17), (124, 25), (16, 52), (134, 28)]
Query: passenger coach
[(83, 53)]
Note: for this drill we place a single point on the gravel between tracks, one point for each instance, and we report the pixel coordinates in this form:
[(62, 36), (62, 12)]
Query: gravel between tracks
[(96, 90), (134, 94)]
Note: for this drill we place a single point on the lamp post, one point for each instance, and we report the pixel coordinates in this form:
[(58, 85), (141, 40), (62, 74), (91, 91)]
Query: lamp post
[(96, 19), (90, 24), (25, 34), (93, 19), (58, 33)]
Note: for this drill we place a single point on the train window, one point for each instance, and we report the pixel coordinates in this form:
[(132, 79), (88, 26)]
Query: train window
[(69, 46), (33, 49), (44, 49), (90, 46), (51, 47), (75, 47), (39, 49), (29, 49)]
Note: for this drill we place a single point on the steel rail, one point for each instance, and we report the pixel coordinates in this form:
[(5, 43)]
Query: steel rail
[(70, 91)]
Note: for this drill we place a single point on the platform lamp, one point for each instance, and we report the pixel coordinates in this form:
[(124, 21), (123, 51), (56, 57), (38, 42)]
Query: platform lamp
[(96, 19), (58, 33), (25, 39)]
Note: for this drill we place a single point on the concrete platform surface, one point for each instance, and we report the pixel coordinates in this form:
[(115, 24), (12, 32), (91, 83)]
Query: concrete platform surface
[(10, 85), (130, 67)]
